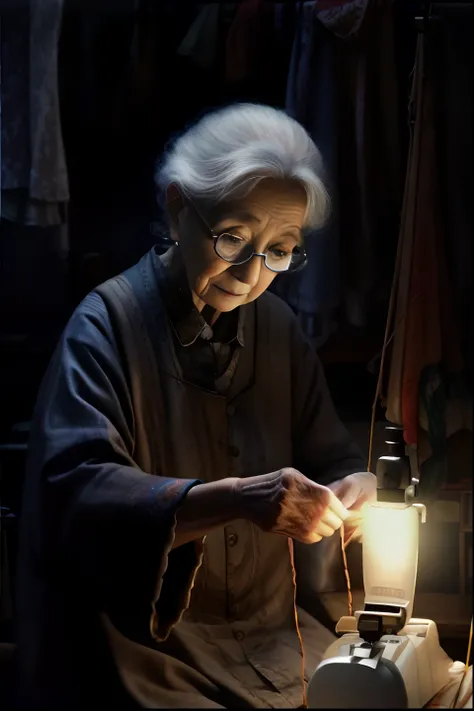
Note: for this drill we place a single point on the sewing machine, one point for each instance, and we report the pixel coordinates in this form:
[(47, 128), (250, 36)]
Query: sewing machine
[(384, 658)]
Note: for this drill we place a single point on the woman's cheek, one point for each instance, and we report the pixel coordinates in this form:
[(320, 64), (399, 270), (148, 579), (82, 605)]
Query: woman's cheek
[(264, 282), (214, 270), (204, 280)]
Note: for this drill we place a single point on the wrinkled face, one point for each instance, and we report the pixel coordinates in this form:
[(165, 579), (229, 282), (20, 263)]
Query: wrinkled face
[(271, 216)]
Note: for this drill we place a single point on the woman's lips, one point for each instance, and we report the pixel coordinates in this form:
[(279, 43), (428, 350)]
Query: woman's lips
[(229, 293)]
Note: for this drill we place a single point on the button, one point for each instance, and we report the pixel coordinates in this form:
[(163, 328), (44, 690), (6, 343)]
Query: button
[(232, 539), (207, 333), (239, 635), (231, 410), (234, 451)]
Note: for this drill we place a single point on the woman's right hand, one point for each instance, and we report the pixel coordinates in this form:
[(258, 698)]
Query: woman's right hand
[(288, 503)]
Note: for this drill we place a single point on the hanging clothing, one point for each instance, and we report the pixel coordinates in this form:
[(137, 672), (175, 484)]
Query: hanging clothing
[(119, 108), (369, 175), (119, 437), (258, 50), (243, 40), (426, 361), (344, 59), (314, 294), (342, 17), (35, 188), (393, 401)]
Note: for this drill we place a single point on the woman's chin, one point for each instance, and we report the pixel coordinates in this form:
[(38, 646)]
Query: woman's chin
[(222, 300), (224, 305)]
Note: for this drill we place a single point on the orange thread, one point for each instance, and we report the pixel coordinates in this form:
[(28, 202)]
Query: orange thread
[(346, 574), (298, 632)]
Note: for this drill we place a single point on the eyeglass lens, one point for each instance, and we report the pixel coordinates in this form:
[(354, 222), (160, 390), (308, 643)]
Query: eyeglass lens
[(235, 250)]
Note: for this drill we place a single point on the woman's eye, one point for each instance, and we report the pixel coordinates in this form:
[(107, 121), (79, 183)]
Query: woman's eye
[(280, 253), (233, 239)]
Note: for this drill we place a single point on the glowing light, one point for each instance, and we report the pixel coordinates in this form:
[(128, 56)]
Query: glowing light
[(390, 553)]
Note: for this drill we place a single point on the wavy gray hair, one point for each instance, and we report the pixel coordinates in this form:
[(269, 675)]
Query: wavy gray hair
[(228, 151)]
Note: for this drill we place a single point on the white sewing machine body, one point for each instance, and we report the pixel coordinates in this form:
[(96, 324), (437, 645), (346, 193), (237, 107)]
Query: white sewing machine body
[(384, 658), (404, 670)]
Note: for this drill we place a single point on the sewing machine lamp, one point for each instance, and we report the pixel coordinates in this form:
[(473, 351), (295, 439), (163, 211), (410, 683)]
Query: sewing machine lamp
[(390, 556)]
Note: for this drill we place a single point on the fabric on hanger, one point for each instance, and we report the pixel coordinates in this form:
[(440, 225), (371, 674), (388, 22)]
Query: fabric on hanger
[(426, 358), (342, 17), (258, 50), (34, 172), (315, 292), (369, 176), (275, 45), (283, 31), (355, 81), (15, 87), (393, 399), (123, 66), (430, 324)]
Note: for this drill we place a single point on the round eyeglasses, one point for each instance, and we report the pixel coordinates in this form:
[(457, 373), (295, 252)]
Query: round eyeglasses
[(237, 251)]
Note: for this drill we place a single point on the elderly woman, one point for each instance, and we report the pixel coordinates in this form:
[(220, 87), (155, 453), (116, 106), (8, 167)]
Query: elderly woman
[(184, 436)]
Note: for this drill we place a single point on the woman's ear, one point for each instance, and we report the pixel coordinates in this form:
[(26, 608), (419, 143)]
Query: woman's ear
[(174, 205)]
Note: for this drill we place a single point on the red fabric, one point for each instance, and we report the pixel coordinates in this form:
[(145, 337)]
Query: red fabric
[(431, 335)]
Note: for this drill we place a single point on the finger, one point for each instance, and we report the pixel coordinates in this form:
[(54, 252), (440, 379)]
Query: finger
[(354, 534), (354, 518), (336, 486), (337, 507), (349, 497), (331, 520), (339, 489), (358, 503), (322, 529)]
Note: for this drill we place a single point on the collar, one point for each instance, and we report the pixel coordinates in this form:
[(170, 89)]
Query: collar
[(187, 322)]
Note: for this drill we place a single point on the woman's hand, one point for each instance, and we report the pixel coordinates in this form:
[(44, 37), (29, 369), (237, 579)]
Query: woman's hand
[(354, 491), (289, 503)]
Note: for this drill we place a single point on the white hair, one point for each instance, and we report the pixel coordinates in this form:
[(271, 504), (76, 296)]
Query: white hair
[(228, 151)]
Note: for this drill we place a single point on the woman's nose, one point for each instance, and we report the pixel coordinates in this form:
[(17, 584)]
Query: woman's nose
[(249, 272)]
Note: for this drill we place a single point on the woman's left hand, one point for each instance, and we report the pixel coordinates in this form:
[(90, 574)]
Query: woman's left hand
[(354, 491)]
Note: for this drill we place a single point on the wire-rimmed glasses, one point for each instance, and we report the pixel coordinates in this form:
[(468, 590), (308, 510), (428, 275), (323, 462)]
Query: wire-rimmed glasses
[(236, 250)]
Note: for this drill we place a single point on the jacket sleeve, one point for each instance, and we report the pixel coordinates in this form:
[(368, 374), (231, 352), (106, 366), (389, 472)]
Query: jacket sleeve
[(93, 519), (323, 448)]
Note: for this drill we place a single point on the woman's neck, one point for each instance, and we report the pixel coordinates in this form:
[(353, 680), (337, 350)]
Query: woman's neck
[(208, 313)]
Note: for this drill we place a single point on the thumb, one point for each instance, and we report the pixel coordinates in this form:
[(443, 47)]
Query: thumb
[(346, 491)]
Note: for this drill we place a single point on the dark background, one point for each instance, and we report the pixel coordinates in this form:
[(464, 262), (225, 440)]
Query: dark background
[(115, 124), (117, 116)]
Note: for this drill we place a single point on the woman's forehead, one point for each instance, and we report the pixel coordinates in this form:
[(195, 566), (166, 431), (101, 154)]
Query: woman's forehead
[(268, 198)]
